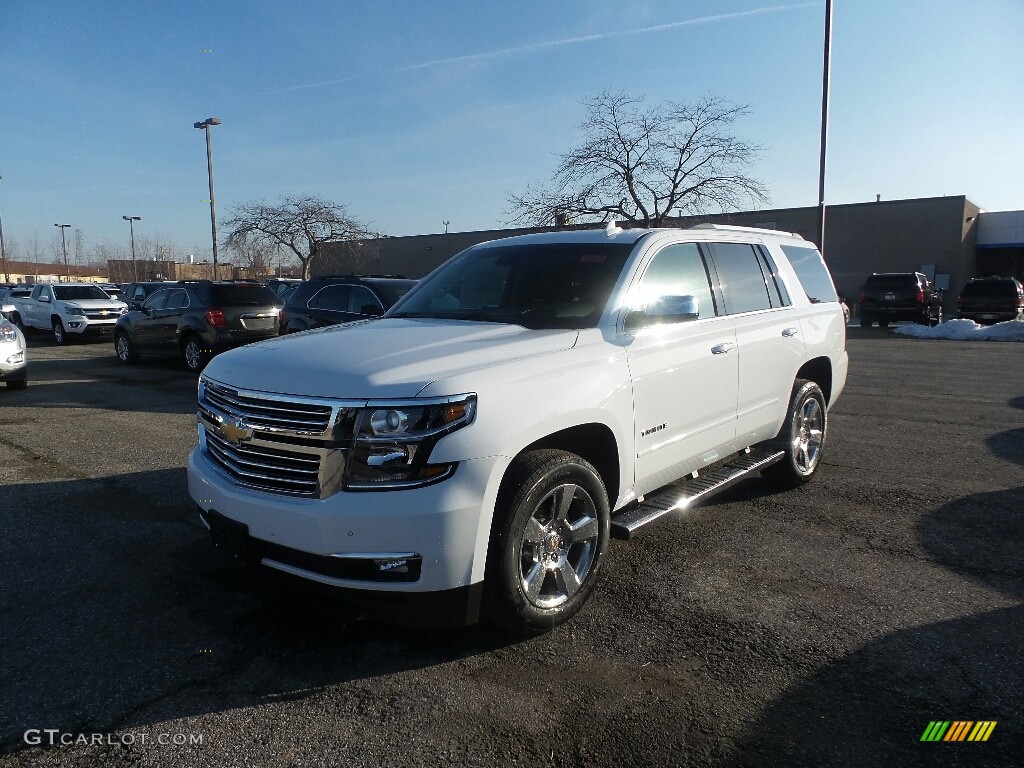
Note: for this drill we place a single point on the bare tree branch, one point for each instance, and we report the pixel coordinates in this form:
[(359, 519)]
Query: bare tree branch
[(639, 164), (299, 224)]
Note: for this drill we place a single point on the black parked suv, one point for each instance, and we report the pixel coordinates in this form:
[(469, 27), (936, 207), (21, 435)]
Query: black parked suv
[(992, 300), (136, 293), (197, 319), (333, 300), (891, 296)]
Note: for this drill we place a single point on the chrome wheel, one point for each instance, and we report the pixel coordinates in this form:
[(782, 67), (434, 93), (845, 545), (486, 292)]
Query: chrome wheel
[(58, 332), (558, 546), (123, 350), (810, 436)]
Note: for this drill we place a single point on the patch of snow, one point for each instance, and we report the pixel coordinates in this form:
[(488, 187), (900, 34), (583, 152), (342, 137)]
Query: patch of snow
[(965, 330)]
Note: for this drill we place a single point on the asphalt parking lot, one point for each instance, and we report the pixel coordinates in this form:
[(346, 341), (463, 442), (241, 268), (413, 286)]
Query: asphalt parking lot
[(823, 626)]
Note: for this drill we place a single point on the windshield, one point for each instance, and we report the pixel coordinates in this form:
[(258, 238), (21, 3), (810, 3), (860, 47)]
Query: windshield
[(551, 285), (77, 292)]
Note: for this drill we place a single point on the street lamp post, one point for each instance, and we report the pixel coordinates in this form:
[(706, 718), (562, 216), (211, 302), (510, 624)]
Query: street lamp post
[(205, 125), (3, 251), (824, 125), (131, 225), (64, 243)]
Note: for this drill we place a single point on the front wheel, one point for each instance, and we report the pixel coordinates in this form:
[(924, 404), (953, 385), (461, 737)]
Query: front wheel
[(550, 530), (18, 383), (802, 437), (193, 354), (59, 334)]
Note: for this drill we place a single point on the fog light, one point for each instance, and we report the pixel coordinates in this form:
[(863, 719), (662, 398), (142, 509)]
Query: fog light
[(17, 357)]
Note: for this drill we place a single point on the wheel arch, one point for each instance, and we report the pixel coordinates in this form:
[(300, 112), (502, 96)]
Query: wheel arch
[(818, 370), (593, 442)]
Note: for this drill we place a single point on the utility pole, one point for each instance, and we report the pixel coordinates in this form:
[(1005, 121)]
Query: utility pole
[(131, 225), (3, 251), (205, 124), (824, 125), (64, 243)]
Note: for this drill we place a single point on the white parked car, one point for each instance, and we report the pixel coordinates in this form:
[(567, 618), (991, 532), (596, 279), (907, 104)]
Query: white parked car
[(69, 310), (13, 357), (473, 450)]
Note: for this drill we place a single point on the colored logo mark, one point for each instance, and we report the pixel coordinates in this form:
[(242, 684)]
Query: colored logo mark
[(958, 730)]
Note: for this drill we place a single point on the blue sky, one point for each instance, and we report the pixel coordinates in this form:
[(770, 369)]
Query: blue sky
[(412, 113)]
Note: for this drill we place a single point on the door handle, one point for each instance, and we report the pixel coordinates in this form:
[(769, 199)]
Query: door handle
[(724, 348), (787, 332)]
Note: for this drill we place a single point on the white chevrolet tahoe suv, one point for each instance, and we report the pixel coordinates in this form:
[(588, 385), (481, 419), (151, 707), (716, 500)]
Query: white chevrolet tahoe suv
[(473, 450)]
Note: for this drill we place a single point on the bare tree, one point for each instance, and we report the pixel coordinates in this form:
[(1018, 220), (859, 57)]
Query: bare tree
[(639, 164), (254, 253), (300, 224)]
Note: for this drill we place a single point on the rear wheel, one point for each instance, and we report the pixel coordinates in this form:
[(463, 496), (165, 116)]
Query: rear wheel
[(550, 530), (935, 319), (883, 323), (866, 321), (193, 354), (125, 349), (60, 335), (802, 437)]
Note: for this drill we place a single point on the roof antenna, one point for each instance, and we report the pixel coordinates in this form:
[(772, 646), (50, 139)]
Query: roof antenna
[(612, 229)]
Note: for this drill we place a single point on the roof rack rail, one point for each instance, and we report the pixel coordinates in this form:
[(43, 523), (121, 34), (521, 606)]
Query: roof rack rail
[(754, 230)]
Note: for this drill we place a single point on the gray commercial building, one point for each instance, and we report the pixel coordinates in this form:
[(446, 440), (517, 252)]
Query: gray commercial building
[(935, 235)]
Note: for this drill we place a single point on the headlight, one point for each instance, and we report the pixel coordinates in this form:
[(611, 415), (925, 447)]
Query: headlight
[(74, 310), (393, 441), (16, 359), (7, 333)]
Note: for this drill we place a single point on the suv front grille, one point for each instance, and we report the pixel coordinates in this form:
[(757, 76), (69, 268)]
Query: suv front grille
[(270, 469), (277, 444), (269, 413)]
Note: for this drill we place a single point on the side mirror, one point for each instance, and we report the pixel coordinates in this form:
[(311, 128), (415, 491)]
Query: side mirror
[(44, 297), (663, 310)]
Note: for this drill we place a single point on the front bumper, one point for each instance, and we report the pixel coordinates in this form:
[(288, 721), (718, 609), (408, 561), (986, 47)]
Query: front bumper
[(427, 542), (85, 326)]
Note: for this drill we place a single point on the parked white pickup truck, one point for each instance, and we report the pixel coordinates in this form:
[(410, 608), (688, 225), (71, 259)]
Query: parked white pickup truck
[(473, 450), (69, 310)]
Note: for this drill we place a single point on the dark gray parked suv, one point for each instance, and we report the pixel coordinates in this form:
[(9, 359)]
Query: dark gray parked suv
[(195, 320), (891, 296), (992, 300)]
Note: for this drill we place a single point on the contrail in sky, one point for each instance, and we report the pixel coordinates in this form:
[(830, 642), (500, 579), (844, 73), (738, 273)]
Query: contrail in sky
[(547, 44)]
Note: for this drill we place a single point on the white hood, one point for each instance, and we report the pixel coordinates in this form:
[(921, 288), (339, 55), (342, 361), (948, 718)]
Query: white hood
[(385, 358)]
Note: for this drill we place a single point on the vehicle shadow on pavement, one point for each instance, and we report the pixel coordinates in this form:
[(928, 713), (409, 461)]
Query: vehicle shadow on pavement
[(117, 611), (871, 707), (150, 389)]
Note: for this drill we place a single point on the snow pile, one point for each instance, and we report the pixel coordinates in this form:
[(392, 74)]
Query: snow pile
[(965, 330)]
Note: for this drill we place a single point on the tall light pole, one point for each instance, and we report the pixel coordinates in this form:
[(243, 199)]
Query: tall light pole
[(446, 223), (131, 225), (3, 251), (205, 125), (824, 125), (64, 243)]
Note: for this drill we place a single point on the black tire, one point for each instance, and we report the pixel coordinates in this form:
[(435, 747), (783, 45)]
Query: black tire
[(802, 437), (124, 349), (550, 530), (193, 355), (16, 319), (883, 323), (935, 319), (60, 334), (18, 383), (866, 321)]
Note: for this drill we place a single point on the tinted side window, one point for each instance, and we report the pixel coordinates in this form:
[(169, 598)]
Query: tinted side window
[(177, 300), (360, 297), (776, 287), (332, 297), (157, 300), (813, 274), (678, 270), (741, 278)]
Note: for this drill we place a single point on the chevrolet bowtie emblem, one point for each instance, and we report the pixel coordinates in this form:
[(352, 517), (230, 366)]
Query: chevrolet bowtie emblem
[(236, 431)]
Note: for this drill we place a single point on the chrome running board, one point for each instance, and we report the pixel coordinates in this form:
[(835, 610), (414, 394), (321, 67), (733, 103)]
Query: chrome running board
[(673, 499)]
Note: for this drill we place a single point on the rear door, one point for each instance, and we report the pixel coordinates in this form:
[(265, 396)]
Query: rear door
[(770, 347), (331, 305)]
